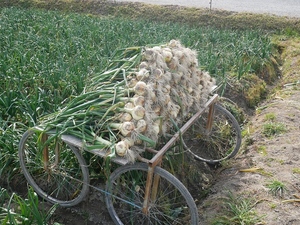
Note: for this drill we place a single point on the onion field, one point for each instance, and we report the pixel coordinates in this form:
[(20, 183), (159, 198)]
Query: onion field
[(47, 56)]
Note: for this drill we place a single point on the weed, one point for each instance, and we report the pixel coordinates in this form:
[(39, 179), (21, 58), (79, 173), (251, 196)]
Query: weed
[(227, 163), (262, 150), (245, 133), (270, 117), (271, 129), (18, 210), (3, 196), (237, 211), (273, 205), (254, 89), (276, 187), (296, 170)]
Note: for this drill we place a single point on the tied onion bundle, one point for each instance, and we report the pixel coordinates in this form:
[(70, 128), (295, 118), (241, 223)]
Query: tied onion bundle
[(136, 101)]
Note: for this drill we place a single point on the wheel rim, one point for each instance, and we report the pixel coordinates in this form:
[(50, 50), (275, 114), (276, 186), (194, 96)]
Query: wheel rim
[(63, 180), (221, 143), (125, 196)]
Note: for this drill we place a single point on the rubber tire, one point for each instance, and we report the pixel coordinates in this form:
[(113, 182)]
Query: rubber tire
[(197, 147), (43, 192), (123, 201)]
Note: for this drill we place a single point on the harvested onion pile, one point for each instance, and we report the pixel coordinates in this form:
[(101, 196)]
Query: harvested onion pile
[(136, 101)]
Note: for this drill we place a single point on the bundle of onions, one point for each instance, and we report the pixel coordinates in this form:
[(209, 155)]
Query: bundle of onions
[(135, 101)]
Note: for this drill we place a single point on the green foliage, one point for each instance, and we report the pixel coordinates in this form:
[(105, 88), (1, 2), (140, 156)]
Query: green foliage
[(10, 134), (234, 109), (291, 32), (17, 210)]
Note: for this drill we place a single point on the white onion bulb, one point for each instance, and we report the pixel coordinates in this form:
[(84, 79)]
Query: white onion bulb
[(121, 148), (140, 88)]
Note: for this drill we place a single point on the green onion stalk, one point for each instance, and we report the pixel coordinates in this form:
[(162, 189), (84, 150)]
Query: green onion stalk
[(94, 115)]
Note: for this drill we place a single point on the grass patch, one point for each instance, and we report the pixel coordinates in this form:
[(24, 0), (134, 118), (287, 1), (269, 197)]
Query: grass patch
[(270, 117), (276, 187), (254, 89), (273, 205), (237, 211), (271, 129), (262, 150)]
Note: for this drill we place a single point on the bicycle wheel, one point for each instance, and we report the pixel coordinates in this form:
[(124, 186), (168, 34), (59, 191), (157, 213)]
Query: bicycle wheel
[(221, 142), (125, 192), (64, 179)]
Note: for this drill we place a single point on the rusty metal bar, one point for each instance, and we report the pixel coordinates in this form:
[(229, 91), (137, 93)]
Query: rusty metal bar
[(142, 159), (151, 150)]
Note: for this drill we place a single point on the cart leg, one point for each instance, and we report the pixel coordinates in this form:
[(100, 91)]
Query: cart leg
[(210, 119), (151, 184), (147, 190), (155, 186)]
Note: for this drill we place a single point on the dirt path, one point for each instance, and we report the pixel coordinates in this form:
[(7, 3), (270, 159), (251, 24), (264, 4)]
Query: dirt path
[(265, 159)]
